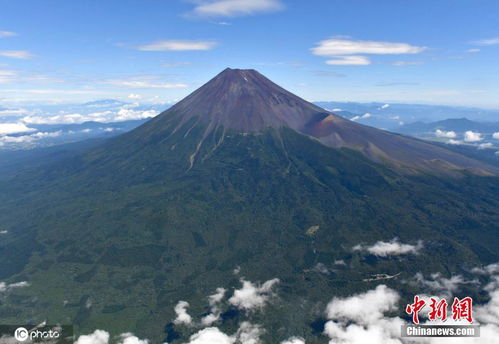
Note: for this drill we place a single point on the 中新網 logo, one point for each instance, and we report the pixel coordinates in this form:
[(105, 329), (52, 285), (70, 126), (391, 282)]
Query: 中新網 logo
[(461, 309)]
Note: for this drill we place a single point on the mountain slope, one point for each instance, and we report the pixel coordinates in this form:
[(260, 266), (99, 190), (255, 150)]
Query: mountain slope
[(114, 237), (246, 101)]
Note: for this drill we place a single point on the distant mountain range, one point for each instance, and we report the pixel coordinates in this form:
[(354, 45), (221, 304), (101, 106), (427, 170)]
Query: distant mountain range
[(394, 115), (458, 125), (479, 140)]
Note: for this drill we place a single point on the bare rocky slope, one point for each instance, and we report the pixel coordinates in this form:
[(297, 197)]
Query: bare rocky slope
[(246, 101)]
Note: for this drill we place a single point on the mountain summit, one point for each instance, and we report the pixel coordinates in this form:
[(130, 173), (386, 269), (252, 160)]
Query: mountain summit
[(245, 101)]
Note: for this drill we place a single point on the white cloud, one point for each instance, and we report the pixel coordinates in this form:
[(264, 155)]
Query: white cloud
[(496, 135), (16, 54), (4, 287), (15, 112), (336, 47), (489, 313), (178, 45), (448, 134), (471, 136), (209, 319), (214, 301), (4, 34), (489, 41), (130, 338), (129, 114), (407, 63), (454, 142), (294, 340), (102, 337), (63, 118), (381, 332), (385, 106), (391, 248), (360, 318), (211, 335), (349, 61), (15, 139), (364, 116), (42, 134), (27, 138), (474, 50), (346, 52), (182, 316), (233, 8), (485, 145), (217, 297), (97, 337), (252, 296), (134, 96), (321, 268), (145, 84), (88, 303), (14, 128), (363, 308), (442, 285), (125, 113), (490, 269), (4, 232), (249, 333)]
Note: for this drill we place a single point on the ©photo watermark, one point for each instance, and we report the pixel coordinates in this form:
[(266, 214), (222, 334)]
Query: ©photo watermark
[(55, 334)]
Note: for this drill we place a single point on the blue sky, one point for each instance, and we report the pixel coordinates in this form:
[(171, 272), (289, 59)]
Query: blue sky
[(439, 52)]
